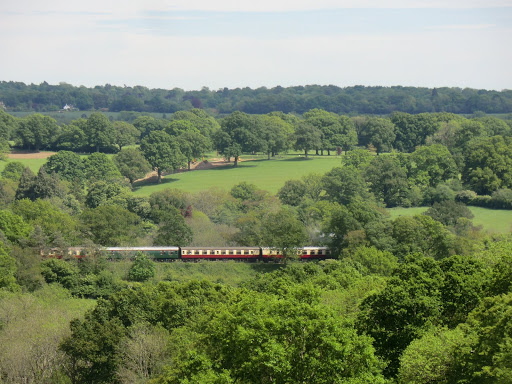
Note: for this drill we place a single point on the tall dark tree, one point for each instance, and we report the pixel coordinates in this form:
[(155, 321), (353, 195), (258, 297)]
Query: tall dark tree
[(36, 132), (380, 133), (100, 132), (162, 152), (307, 137), (132, 164)]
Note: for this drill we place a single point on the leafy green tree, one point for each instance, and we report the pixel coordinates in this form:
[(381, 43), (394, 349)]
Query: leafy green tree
[(98, 166), (430, 165), (344, 184), (148, 124), (193, 145), (72, 136), (13, 170), (387, 180), (142, 269), (162, 152), (303, 340), (307, 137), (100, 132), (111, 225), (13, 227), (358, 158), (238, 134), (276, 134), (36, 131), (55, 224), (103, 193), (126, 134), (501, 279), (284, 232), (8, 125), (24, 186), (421, 234), (488, 164), (67, 165), (59, 271), (380, 133), (432, 358), (92, 348), (132, 164), (7, 271), (375, 261), (172, 229), (489, 329), (404, 310), (336, 131), (165, 200), (44, 186), (465, 283), (413, 130), (449, 212), (292, 192), (205, 123)]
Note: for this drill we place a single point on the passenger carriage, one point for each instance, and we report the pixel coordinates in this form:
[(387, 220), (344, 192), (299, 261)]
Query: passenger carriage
[(155, 253), (220, 253)]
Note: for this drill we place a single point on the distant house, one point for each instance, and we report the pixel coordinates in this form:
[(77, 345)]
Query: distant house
[(2, 105), (68, 108)]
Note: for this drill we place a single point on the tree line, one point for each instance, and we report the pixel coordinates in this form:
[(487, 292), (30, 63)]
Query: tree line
[(18, 96)]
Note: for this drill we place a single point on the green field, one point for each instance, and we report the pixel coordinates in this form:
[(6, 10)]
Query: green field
[(492, 220), (269, 175), (33, 164)]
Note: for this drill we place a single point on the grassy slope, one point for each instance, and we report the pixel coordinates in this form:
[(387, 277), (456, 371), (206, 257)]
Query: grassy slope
[(493, 220), (227, 272), (266, 174)]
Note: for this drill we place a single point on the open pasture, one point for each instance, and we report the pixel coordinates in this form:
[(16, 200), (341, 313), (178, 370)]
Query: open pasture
[(269, 175), (492, 220), (30, 159)]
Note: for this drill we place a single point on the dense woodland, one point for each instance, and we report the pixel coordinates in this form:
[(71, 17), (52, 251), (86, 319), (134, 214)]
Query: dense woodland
[(18, 96), (419, 299)]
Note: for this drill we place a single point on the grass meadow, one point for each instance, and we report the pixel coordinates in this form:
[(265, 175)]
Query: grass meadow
[(492, 220), (269, 175), (33, 163)]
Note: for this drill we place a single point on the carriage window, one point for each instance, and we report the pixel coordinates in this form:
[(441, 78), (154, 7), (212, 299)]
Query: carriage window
[(312, 252), (231, 252), (304, 252), (223, 252), (320, 252)]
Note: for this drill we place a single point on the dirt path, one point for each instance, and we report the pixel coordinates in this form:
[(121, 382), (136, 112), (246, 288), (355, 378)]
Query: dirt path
[(29, 155)]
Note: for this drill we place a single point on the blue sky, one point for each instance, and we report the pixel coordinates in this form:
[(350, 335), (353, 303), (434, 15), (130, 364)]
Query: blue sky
[(229, 43)]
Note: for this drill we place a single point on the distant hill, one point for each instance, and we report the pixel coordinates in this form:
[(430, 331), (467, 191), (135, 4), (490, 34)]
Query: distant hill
[(17, 96)]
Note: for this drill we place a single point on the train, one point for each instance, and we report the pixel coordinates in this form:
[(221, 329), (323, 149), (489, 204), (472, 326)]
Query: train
[(174, 253)]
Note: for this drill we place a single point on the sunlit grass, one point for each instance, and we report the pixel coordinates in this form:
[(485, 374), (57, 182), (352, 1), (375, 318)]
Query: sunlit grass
[(269, 175), (492, 220)]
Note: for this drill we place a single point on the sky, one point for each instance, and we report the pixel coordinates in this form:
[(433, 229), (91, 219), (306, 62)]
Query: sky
[(192, 44)]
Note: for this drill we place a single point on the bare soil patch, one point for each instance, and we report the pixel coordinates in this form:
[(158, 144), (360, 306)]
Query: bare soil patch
[(29, 155)]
